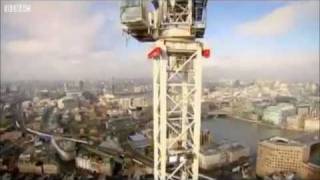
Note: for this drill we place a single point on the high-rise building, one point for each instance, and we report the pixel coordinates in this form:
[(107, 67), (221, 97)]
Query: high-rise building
[(279, 154), (81, 85)]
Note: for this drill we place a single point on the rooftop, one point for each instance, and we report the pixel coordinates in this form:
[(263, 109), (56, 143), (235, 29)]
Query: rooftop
[(310, 138), (137, 137)]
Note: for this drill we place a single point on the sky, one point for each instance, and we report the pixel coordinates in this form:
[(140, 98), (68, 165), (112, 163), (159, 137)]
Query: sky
[(73, 40)]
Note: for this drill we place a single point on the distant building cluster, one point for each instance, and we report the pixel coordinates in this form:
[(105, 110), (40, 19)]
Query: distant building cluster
[(93, 163), (214, 155), (106, 128), (287, 105), (37, 160), (44, 125)]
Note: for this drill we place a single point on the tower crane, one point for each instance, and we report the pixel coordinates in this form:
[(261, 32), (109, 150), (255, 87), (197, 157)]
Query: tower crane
[(174, 26)]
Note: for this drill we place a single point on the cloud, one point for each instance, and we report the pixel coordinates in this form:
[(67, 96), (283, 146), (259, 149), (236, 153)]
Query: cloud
[(296, 66), (282, 20), (64, 40), (54, 28), (70, 41), (24, 47)]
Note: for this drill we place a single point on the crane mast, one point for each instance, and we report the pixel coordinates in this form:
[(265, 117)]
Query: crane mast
[(174, 26)]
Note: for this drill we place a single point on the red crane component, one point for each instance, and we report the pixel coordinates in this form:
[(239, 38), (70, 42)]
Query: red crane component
[(155, 52), (206, 53)]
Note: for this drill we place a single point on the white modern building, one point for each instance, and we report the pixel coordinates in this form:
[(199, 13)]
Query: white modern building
[(278, 114)]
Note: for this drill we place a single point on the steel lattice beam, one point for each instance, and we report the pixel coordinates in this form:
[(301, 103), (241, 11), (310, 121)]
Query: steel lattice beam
[(177, 109)]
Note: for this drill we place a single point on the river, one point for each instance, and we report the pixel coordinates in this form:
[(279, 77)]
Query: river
[(246, 133)]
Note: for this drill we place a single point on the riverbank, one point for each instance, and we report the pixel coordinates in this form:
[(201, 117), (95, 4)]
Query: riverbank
[(261, 123), (253, 121), (246, 132)]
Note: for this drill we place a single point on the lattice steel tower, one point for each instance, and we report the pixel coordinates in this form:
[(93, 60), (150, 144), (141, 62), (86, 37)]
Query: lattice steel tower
[(174, 26)]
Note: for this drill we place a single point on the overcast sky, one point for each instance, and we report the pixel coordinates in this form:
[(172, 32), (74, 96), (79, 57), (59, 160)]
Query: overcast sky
[(61, 40)]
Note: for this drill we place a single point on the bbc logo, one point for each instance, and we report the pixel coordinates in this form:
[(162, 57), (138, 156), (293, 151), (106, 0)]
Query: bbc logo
[(17, 8)]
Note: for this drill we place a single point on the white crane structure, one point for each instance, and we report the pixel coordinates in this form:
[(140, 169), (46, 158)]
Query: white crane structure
[(174, 26)]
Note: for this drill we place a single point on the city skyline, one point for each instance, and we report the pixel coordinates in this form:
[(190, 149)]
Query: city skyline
[(160, 89), (83, 40)]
